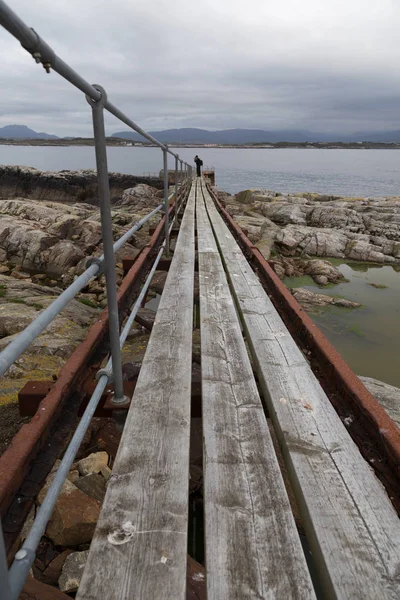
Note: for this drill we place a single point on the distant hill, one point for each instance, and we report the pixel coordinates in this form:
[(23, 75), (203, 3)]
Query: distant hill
[(257, 136), (22, 132), (227, 136)]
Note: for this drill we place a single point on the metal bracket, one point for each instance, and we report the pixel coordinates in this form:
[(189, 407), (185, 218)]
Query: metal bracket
[(95, 261), (42, 53), (102, 101), (107, 372)]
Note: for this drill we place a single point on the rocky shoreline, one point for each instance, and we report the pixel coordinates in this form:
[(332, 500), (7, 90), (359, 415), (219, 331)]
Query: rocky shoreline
[(360, 229), (64, 186)]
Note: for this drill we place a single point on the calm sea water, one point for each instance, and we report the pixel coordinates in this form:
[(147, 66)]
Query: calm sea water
[(342, 172)]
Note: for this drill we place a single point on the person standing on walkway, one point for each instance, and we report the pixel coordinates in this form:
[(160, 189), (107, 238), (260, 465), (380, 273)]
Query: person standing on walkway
[(199, 164)]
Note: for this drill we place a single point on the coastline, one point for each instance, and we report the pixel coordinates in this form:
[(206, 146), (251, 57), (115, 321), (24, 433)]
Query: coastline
[(123, 143)]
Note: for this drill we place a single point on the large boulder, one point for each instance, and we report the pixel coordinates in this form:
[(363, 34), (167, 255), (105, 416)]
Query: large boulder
[(141, 196), (255, 227)]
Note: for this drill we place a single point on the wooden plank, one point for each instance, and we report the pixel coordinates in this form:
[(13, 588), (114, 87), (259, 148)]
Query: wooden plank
[(351, 525), (140, 544), (253, 549)]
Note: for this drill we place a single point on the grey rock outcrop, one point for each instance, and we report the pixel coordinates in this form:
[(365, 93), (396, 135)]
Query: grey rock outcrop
[(309, 300), (63, 186), (51, 238), (319, 225)]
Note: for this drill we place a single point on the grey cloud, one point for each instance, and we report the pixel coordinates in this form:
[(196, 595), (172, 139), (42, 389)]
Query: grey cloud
[(321, 66)]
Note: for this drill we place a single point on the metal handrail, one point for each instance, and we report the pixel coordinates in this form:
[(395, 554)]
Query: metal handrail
[(12, 582)]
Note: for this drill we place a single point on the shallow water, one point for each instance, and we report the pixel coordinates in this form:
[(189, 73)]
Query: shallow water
[(368, 337)]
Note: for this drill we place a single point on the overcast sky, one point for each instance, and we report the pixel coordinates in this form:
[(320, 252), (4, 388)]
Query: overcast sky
[(322, 65)]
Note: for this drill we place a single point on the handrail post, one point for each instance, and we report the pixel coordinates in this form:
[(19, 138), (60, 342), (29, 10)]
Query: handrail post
[(176, 189), (5, 591), (166, 202), (108, 242)]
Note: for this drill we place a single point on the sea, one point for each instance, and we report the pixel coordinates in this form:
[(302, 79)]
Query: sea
[(368, 338), (340, 172)]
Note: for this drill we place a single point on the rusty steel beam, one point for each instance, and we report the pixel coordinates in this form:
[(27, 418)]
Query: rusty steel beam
[(33, 392), (375, 433), (31, 454)]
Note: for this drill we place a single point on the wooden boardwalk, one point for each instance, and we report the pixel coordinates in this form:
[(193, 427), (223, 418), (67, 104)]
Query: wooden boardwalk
[(253, 548)]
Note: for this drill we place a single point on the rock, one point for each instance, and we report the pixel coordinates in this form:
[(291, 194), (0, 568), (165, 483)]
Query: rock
[(106, 472), (279, 269), (387, 395), (253, 227), (53, 571), (39, 277), (4, 269), (310, 300), (93, 463), (319, 269), (73, 476), (322, 271), (20, 275), (35, 590), (61, 257), (321, 279), (72, 571), (146, 317), (74, 517), (141, 196), (14, 372), (93, 485), (158, 281)]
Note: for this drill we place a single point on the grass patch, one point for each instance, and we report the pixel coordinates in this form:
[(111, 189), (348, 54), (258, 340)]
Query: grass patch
[(379, 286), (87, 302), (37, 306)]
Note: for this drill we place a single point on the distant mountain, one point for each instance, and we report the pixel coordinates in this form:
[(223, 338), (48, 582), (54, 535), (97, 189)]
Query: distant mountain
[(227, 136), (22, 132), (257, 136)]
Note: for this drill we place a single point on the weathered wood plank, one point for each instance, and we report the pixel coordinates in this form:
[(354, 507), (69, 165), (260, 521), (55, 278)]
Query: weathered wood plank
[(139, 547), (253, 549), (351, 525)]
